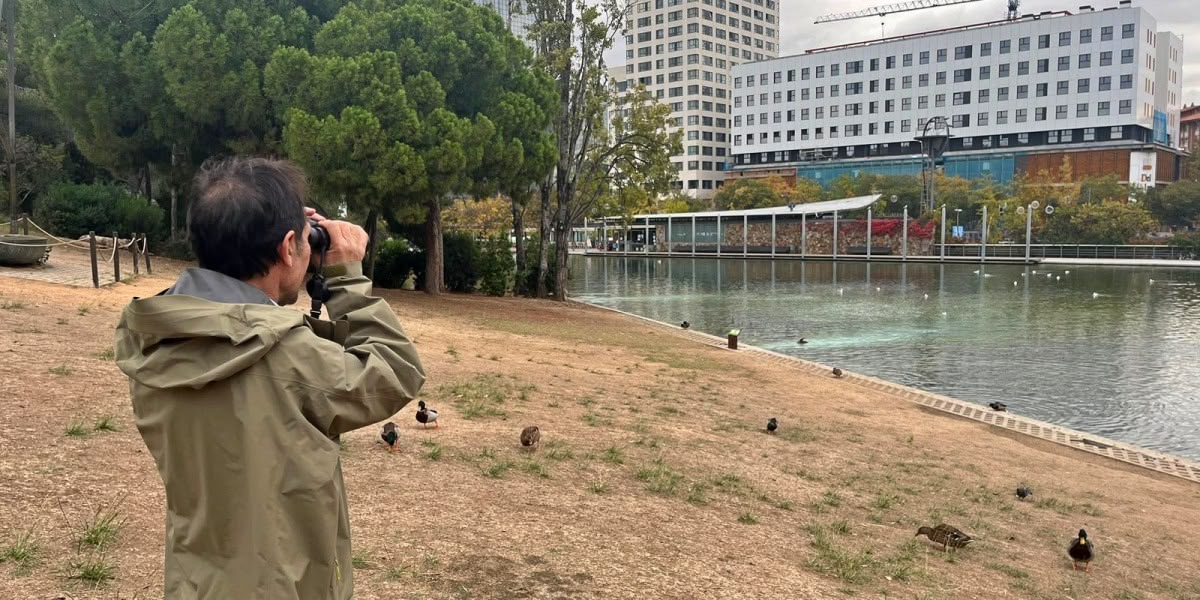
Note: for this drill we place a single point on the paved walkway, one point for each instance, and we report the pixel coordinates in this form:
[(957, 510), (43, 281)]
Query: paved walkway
[(69, 266), (1156, 461)]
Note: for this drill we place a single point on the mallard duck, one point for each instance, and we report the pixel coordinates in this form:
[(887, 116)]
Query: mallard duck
[(685, 324), (801, 341), (772, 425), (1081, 551), (998, 406), (531, 436), (1024, 492), (426, 416), (837, 372), (947, 536), (390, 436)]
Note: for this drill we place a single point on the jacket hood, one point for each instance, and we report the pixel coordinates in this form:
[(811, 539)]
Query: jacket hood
[(205, 328)]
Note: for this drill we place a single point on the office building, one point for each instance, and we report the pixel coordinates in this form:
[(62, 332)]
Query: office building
[(511, 11), (682, 51), (1189, 128), (1102, 86)]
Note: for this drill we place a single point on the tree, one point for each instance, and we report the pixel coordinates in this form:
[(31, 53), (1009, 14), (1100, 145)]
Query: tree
[(483, 218), (1178, 205), (571, 37), (393, 109), (636, 179), (806, 190), (744, 193), (37, 166)]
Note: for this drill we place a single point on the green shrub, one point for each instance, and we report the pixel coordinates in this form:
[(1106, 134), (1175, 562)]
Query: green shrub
[(529, 277), (496, 267), (72, 210), (1187, 241), (394, 260), (180, 249), (460, 261)]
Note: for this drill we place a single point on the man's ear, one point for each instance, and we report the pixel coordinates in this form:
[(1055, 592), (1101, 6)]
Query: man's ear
[(288, 250)]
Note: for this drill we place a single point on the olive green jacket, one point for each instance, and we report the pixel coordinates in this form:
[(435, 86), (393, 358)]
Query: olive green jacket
[(240, 402)]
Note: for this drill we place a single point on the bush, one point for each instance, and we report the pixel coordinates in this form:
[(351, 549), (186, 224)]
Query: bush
[(460, 261), (394, 260), (1187, 241), (531, 267), (72, 210), (496, 267), (180, 249)]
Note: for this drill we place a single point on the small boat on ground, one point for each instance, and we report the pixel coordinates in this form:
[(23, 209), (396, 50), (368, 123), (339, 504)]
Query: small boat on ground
[(23, 250)]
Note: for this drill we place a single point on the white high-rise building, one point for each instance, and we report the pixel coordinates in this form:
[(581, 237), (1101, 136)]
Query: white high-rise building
[(510, 10), (683, 51), (1102, 86)]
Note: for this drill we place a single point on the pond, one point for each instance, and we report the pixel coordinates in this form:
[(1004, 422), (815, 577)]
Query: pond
[(1112, 351)]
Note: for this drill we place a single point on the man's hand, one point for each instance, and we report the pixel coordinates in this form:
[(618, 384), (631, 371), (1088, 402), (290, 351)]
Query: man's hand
[(347, 241)]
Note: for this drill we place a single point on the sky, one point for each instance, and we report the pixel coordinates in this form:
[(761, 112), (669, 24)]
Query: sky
[(798, 33)]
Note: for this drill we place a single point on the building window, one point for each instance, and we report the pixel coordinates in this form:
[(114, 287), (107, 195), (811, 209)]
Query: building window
[(1043, 65), (1089, 134), (1043, 41), (1126, 107), (1116, 133), (984, 96), (791, 75), (1023, 44), (1004, 70), (907, 60), (1127, 56), (924, 57), (1022, 92), (941, 77), (889, 84), (906, 82), (1067, 135), (890, 62), (874, 64), (968, 142), (1052, 137), (941, 55), (1126, 82), (1102, 109), (1023, 68), (1085, 61), (981, 119), (804, 74), (1039, 113), (961, 98), (1127, 31), (791, 135), (984, 73), (939, 100), (1081, 109), (1105, 59), (1043, 90), (1005, 46), (1064, 38), (1083, 86), (1085, 36), (962, 52), (985, 49), (1106, 33), (1104, 84), (1064, 88), (791, 116), (1022, 138), (906, 104), (1002, 94), (791, 95), (923, 80), (1064, 63), (905, 125), (960, 121), (1060, 111), (961, 75), (922, 102), (1002, 117)]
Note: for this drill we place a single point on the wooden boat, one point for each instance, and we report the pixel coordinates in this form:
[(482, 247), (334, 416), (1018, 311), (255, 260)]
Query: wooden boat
[(23, 250)]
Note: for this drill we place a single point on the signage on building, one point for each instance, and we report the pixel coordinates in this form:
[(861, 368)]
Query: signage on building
[(1142, 169)]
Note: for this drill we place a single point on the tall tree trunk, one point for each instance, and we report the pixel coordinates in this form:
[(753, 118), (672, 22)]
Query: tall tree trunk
[(434, 275), (174, 196), (518, 217), (561, 232), (545, 232), (371, 226)]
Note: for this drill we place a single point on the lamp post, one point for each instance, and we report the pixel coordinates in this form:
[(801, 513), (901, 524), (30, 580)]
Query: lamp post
[(934, 139), (957, 214), (1028, 210)]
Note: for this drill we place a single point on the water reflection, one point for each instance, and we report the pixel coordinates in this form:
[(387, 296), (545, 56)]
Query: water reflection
[(1110, 350)]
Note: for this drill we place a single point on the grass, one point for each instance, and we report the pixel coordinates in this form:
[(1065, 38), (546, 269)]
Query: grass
[(598, 486), (361, 561), (482, 397), (534, 467), (747, 518), (497, 469), (76, 429), (105, 423), (851, 566), (83, 310), (453, 352), (61, 370), (697, 493), (840, 526), (1066, 508), (831, 499), (784, 505), (433, 450), (12, 305), (102, 529), (885, 501), (556, 450), (669, 411), (660, 478), (106, 354), (94, 570), (614, 455), (729, 483), (1009, 570), (398, 573), (23, 552)]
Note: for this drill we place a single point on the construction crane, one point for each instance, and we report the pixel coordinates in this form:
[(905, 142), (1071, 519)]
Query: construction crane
[(883, 11)]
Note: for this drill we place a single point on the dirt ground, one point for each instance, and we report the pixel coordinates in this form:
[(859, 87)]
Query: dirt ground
[(655, 478)]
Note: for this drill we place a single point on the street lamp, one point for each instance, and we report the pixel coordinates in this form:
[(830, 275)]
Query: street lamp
[(957, 214), (1028, 212), (934, 139)]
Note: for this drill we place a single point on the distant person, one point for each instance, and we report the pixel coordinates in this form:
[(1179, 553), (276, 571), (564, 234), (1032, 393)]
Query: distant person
[(241, 401)]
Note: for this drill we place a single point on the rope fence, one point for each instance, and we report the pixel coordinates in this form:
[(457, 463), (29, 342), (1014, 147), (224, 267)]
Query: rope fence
[(138, 245)]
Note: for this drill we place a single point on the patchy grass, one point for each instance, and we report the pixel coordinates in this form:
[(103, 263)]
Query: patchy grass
[(598, 486), (483, 396), (433, 450), (660, 478), (534, 467), (497, 469), (747, 518), (669, 411), (835, 560), (12, 305), (95, 570), (101, 529), (614, 455), (399, 573), (23, 552), (453, 352), (105, 423), (1063, 507), (76, 429), (729, 483), (885, 501), (361, 561), (82, 311), (106, 355), (1009, 570), (61, 370), (557, 450), (697, 493)]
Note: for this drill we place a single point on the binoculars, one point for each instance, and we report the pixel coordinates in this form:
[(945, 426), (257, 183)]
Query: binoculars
[(318, 238)]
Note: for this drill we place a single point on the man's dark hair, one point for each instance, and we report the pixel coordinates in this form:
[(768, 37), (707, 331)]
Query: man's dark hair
[(241, 209)]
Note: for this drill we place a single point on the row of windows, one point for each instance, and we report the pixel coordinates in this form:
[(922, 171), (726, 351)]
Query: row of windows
[(982, 96), (961, 52), (695, 28), (698, 165), (697, 44), (1036, 138), (705, 150), (694, 13), (692, 59), (746, 11), (983, 119)]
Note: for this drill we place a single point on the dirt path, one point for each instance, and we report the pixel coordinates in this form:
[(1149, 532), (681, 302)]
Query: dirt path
[(655, 478)]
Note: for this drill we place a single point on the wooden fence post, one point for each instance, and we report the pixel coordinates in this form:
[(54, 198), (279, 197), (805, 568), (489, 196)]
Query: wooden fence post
[(95, 266), (25, 224), (116, 256), (133, 251), (146, 253)]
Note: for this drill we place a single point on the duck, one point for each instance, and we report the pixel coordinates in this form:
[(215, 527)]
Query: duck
[(685, 324), (426, 416), (1024, 493), (998, 406), (531, 437), (390, 436), (1081, 550), (772, 425), (946, 535), (801, 341), (837, 372)]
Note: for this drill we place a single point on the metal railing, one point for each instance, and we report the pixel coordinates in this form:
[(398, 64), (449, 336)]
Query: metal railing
[(1144, 252)]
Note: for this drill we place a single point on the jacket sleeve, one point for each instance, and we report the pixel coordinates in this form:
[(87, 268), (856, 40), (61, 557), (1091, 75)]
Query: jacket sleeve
[(378, 372)]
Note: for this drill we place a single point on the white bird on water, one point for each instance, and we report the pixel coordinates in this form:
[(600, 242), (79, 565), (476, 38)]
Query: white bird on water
[(1035, 271), (1066, 272), (987, 274), (1095, 294), (1014, 284), (1151, 282), (1056, 278), (1049, 275), (926, 296), (879, 289), (976, 271), (1024, 275), (943, 313), (841, 291)]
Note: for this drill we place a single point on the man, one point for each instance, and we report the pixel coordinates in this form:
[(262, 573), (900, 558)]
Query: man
[(241, 401)]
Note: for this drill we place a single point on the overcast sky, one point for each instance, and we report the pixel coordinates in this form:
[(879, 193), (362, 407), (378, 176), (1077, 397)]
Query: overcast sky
[(798, 33)]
